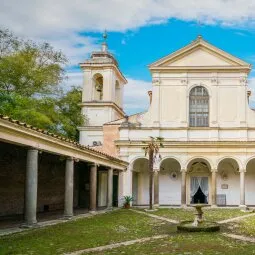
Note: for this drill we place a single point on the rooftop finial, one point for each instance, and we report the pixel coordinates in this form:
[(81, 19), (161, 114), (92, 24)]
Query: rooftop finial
[(104, 44), (105, 35)]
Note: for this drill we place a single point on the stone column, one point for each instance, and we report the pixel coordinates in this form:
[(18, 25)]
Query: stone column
[(68, 211), (214, 188), (31, 187), (183, 188), (121, 188), (156, 188), (242, 189), (110, 188), (93, 188)]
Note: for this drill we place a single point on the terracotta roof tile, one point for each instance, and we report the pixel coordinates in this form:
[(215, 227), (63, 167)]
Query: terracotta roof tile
[(45, 132)]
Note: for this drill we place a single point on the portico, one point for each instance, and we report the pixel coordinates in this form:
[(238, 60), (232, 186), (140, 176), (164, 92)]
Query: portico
[(52, 179), (221, 179)]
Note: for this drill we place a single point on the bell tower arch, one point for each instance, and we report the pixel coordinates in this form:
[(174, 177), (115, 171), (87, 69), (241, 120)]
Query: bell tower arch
[(102, 96)]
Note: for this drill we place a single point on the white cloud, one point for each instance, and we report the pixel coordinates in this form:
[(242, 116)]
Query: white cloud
[(74, 79), (136, 97), (60, 22), (37, 18), (251, 86)]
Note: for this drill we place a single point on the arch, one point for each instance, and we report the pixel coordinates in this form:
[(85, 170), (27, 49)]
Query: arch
[(237, 161), (199, 107), (170, 158), (132, 162), (98, 85), (248, 161), (192, 160), (197, 85)]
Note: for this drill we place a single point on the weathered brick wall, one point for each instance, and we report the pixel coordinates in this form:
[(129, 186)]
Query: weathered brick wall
[(111, 133), (12, 179), (51, 181)]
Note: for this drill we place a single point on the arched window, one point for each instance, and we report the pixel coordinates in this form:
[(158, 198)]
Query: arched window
[(98, 83), (199, 107)]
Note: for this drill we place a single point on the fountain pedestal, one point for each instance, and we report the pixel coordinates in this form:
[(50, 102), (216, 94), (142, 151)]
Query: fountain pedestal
[(199, 224)]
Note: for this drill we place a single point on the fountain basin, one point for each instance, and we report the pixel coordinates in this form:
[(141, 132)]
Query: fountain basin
[(199, 224), (205, 226)]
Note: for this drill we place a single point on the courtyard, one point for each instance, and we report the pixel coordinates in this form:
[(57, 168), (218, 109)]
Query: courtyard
[(135, 231)]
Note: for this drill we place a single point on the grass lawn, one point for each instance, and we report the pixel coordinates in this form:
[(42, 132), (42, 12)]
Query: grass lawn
[(188, 214), (244, 227), (181, 244), (116, 226), (123, 225)]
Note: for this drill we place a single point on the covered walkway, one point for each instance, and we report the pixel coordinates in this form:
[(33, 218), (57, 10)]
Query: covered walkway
[(44, 176)]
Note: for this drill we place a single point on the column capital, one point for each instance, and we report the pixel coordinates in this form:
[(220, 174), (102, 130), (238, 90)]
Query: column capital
[(184, 170), (243, 170), (32, 149), (91, 164), (214, 170)]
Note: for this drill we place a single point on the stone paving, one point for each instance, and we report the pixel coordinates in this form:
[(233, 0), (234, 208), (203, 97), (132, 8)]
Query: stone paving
[(240, 237), (156, 216), (236, 218), (116, 245)]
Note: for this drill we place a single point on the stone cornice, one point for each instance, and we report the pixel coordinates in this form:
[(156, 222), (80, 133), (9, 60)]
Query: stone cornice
[(188, 128), (191, 144), (103, 104), (198, 44), (12, 131), (201, 69), (89, 128)]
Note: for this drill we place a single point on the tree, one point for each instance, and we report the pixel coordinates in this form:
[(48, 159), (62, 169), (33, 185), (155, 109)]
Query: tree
[(152, 149), (61, 115), (71, 116), (29, 77), (29, 68)]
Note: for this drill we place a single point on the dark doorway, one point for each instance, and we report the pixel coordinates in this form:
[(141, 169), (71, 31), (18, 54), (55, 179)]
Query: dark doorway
[(84, 176), (199, 197), (115, 190)]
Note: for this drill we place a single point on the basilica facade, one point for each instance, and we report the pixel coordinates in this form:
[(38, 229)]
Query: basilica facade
[(199, 105)]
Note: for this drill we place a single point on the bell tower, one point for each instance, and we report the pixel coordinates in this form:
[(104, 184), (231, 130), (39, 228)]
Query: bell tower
[(102, 96)]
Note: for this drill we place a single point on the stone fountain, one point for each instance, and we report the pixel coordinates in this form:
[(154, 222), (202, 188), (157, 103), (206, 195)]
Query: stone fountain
[(199, 224)]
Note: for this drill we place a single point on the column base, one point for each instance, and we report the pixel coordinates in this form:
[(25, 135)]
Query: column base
[(68, 217), (109, 208), (214, 206), (92, 211), (243, 208), (151, 210), (29, 225)]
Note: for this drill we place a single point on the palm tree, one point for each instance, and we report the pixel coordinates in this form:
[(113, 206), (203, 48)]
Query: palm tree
[(152, 149)]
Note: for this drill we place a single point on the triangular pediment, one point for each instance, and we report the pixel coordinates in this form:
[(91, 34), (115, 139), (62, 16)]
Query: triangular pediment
[(199, 54)]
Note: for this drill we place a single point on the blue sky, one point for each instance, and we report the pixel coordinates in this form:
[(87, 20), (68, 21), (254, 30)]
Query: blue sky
[(139, 32), (135, 50)]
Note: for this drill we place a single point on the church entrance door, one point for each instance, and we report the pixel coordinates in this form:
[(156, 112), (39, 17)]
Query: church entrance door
[(199, 190)]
